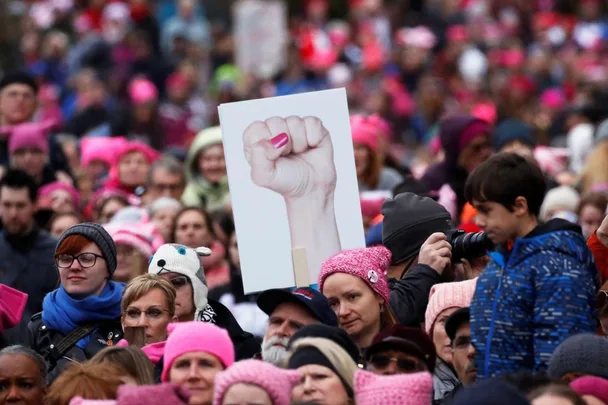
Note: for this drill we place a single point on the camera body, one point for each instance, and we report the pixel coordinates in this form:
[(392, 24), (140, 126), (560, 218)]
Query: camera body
[(468, 245)]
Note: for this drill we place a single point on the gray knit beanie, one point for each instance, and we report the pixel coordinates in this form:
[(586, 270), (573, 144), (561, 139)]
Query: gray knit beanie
[(585, 354), (99, 236)]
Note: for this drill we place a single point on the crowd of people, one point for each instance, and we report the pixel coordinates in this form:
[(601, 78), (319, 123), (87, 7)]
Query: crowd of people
[(480, 138)]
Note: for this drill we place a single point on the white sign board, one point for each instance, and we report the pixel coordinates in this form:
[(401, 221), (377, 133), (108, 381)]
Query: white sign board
[(260, 36), (293, 185)]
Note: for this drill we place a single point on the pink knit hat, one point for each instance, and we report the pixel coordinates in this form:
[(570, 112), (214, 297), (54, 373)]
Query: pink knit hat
[(400, 389), (144, 237), (363, 132), (369, 264), (592, 386), (82, 401), (190, 337), (49, 189), (99, 149), (276, 382), (28, 135), (12, 304), (142, 91), (172, 394), (448, 295)]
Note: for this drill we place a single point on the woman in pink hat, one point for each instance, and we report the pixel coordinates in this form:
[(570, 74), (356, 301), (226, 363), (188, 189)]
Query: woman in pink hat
[(130, 168), (254, 381), (400, 389), (60, 197), (195, 353), (356, 287)]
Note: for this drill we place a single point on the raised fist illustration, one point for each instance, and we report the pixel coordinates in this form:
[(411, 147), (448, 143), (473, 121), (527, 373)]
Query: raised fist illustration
[(292, 156)]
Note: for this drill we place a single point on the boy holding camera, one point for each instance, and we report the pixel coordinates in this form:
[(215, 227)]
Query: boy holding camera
[(541, 283)]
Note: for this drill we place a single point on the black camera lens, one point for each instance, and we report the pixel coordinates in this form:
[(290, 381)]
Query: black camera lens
[(470, 245)]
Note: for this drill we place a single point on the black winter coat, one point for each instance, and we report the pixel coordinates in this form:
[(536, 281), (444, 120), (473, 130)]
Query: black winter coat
[(410, 295), (42, 340)]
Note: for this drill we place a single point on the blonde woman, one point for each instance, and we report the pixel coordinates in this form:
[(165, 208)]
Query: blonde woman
[(594, 176)]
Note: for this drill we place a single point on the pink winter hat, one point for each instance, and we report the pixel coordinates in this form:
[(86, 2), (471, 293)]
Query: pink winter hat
[(142, 91), (82, 401), (12, 304), (276, 382), (592, 386), (448, 295), (143, 237), (49, 189), (190, 337), (369, 264), (28, 135), (400, 389), (363, 132), (169, 394), (99, 149)]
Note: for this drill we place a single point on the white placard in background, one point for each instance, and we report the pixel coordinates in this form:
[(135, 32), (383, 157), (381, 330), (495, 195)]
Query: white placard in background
[(263, 214)]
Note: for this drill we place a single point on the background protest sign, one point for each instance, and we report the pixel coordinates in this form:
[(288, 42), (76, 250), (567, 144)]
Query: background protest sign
[(293, 185), (260, 36)]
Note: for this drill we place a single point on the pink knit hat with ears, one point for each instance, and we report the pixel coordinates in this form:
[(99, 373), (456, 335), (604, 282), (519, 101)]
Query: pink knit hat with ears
[(400, 389), (276, 382), (187, 337), (28, 135), (100, 149), (369, 264), (363, 132), (448, 295)]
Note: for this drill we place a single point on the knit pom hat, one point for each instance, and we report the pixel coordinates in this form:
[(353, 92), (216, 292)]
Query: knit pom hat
[(563, 198), (369, 264), (401, 389), (276, 382), (99, 236), (176, 258), (448, 295), (190, 337), (592, 386), (584, 354)]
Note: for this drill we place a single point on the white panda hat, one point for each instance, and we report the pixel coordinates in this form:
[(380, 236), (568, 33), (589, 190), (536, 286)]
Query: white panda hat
[(176, 258)]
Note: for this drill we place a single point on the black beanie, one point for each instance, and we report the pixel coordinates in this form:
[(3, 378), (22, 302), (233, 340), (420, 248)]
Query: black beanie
[(408, 221), (19, 78), (333, 333), (99, 236)]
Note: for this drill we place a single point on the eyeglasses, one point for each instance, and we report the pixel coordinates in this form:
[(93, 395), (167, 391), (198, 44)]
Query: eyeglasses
[(85, 260), (462, 343), (152, 314), (179, 282), (381, 361)]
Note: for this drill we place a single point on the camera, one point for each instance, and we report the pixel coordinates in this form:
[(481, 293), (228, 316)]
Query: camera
[(468, 245)]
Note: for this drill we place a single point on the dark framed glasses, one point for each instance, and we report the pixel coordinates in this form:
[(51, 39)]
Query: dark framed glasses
[(381, 361), (85, 260), (179, 282)]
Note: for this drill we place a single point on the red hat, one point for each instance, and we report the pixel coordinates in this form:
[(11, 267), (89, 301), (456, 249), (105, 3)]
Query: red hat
[(177, 81)]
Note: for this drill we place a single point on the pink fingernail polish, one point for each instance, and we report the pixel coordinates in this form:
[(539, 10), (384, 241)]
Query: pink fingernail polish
[(279, 141)]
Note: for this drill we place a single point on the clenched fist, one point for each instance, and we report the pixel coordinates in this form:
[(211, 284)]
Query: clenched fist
[(292, 156)]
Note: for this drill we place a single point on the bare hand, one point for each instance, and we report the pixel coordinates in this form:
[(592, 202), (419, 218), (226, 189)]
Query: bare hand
[(602, 232), (436, 252), (292, 156)]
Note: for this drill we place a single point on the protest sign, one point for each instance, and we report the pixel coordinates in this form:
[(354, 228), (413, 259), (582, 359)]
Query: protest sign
[(293, 185), (260, 36)]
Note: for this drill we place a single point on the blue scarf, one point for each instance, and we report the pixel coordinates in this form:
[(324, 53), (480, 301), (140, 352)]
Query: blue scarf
[(63, 313)]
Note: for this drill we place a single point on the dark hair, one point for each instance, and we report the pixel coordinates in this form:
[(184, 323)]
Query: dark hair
[(59, 215), (596, 199), (19, 77), (504, 177), (558, 390), (225, 221), (411, 185), (169, 164), (201, 211), (18, 179), (526, 382)]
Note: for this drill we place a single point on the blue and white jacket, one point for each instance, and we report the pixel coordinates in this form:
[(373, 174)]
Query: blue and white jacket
[(529, 301)]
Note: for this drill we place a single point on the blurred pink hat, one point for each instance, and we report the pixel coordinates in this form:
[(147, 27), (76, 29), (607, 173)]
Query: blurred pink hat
[(593, 386), (82, 401), (400, 389), (28, 135), (49, 189), (363, 133), (381, 125), (551, 160), (322, 58), (374, 56), (371, 208), (142, 91), (457, 33), (486, 112), (12, 304), (443, 296), (177, 81), (149, 152), (144, 237), (553, 98), (419, 37), (513, 57), (100, 149), (339, 33)]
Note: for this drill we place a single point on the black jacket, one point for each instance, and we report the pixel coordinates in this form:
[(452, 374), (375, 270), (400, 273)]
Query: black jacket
[(42, 340), (410, 295)]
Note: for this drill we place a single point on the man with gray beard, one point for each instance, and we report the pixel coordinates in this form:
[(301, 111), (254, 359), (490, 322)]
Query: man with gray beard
[(288, 311)]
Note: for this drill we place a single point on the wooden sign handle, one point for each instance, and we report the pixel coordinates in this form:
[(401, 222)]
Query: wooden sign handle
[(300, 267)]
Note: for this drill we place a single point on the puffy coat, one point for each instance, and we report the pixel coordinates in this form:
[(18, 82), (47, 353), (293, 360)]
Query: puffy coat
[(529, 301)]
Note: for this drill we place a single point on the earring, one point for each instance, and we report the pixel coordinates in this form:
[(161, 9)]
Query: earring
[(381, 308)]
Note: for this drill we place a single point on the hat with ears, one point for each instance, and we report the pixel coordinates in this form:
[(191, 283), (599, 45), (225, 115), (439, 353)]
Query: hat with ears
[(187, 337), (369, 264), (276, 382), (181, 259), (445, 296), (28, 135), (100, 149), (12, 304), (49, 189), (400, 389), (363, 132)]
